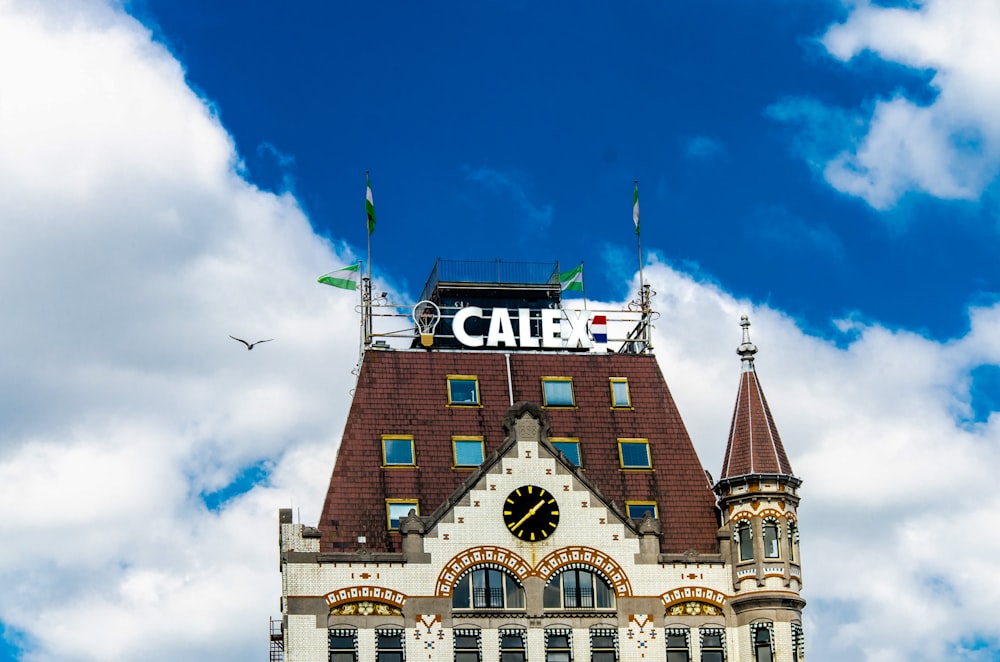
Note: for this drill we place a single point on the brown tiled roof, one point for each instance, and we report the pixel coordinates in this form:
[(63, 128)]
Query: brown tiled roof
[(405, 392), (754, 444)]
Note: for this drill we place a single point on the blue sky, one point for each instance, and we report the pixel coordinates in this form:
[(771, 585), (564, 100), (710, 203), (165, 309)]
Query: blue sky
[(527, 122), (174, 172)]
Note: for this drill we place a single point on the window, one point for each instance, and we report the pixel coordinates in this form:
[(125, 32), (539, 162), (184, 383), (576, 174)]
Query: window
[(512, 646), (634, 453), (637, 509), (343, 645), (397, 509), (772, 536), (468, 451), (397, 450), (570, 448), (761, 636), (557, 392), (678, 646), (577, 588), (793, 540), (713, 645), (487, 588), (463, 391), (603, 645), (798, 643), (467, 647), (744, 538), (558, 645), (389, 646), (620, 396)]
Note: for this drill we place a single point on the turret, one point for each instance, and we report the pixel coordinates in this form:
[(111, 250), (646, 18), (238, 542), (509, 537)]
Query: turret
[(758, 498)]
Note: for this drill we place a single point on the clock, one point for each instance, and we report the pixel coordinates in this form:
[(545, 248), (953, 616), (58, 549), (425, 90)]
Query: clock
[(531, 513)]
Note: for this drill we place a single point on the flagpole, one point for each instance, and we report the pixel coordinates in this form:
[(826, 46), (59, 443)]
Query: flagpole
[(366, 288), (583, 283), (638, 236)]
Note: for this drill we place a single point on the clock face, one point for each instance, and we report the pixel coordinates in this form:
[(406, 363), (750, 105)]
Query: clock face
[(531, 513)]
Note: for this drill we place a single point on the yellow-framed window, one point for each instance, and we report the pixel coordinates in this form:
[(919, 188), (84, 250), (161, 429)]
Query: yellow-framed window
[(634, 454), (570, 447), (463, 391), (397, 509), (621, 397), (638, 509), (558, 392), (398, 450), (467, 452)]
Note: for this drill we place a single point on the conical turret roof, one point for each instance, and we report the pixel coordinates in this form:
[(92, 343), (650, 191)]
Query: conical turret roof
[(754, 446)]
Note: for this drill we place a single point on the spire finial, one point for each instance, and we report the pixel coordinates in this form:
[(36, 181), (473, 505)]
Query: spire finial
[(747, 349)]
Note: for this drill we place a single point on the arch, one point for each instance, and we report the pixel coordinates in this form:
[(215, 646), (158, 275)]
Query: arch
[(365, 599), (602, 563), (482, 555), (699, 595)]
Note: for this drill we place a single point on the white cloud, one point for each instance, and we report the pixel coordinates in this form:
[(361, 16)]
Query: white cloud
[(132, 249), (948, 147)]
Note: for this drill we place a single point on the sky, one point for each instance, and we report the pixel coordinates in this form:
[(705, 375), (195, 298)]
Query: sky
[(173, 172)]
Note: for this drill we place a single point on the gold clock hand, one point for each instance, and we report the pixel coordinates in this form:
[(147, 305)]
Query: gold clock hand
[(527, 515)]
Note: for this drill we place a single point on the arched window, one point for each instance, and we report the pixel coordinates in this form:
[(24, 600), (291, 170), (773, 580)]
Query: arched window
[(793, 540), (487, 588), (762, 637), (744, 538), (772, 538), (578, 588)]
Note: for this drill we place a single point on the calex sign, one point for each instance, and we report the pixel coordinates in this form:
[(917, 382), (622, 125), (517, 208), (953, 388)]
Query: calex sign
[(502, 329)]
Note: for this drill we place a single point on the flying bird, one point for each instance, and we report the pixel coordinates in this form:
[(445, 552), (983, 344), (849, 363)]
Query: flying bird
[(250, 344)]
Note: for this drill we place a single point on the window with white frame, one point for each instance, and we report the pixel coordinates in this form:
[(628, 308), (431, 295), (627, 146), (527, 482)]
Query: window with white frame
[(712, 642), (390, 645), (744, 539), (487, 587), (603, 645), (513, 645), (772, 538), (467, 645), (343, 645), (678, 642), (558, 645), (578, 588), (762, 641)]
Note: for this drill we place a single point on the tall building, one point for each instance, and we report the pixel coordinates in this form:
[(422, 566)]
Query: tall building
[(517, 484)]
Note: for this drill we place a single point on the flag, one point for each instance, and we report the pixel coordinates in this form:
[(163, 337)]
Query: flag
[(345, 279), (369, 205), (572, 280), (599, 328), (635, 208)]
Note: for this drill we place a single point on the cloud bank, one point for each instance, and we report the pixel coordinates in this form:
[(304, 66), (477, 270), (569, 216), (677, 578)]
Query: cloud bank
[(947, 147), (133, 247)]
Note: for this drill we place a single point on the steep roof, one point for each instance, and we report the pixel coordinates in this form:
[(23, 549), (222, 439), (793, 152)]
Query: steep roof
[(754, 443), (405, 392)]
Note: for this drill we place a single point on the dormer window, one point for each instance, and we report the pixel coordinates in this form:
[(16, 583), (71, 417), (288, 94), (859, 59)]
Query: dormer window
[(397, 509), (467, 451), (621, 398), (569, 447), (638, 509), (397, 450), (558, 392), (634, 454), (463, 391)]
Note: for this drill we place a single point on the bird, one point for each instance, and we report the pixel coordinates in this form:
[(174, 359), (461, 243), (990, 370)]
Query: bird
[(250, 344)]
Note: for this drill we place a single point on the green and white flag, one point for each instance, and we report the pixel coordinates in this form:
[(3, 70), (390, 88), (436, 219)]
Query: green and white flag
[(345, 279), (635, 208), (369, 205), (572, 280)]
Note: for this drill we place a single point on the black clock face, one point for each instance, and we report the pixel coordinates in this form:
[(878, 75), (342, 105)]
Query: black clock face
[(531, 513)]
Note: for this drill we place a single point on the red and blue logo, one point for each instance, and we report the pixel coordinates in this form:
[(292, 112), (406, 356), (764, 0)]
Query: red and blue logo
[(599, 328)]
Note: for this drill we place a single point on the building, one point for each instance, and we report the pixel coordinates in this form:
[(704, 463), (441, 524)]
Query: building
[(518, 484)]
